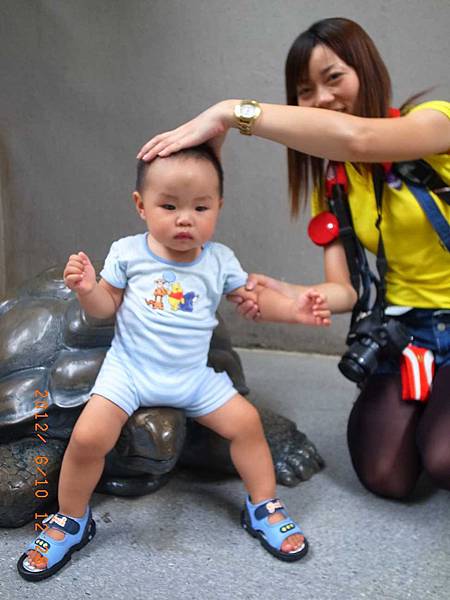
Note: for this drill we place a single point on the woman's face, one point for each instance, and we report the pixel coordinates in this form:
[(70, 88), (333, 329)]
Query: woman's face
[(331, 83)]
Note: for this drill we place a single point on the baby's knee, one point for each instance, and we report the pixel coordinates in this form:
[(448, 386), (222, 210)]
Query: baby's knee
[(250, 423), (85, 442)]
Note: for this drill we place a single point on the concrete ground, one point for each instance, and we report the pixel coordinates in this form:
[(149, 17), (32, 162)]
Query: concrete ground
[(185, 542)]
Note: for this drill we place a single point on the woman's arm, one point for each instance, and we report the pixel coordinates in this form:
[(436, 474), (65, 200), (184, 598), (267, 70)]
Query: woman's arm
[(337, 289), (319, 132), (338, 136), (307, 307), (337, 286)]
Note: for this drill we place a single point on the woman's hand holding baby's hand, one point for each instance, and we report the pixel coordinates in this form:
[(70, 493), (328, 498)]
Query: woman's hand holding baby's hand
[(79, 274), (248, 308), (311, 308)]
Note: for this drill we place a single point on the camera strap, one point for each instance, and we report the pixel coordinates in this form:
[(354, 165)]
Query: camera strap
[(361, 276), (336, 186)]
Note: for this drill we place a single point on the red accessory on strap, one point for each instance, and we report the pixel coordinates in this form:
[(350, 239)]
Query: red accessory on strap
[(323, 228), (417, 371), (394, 112), (336, 175)]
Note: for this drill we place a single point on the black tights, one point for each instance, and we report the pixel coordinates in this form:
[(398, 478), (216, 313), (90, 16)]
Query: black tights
[(391, 440)]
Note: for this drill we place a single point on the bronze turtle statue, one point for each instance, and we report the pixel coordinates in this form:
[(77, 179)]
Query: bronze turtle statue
[(50, 354)]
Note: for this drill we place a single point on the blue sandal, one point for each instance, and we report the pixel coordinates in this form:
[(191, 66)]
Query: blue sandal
[(77, 533), (254, 519)]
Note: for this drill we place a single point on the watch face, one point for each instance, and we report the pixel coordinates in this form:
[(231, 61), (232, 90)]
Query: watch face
[(247, 111)]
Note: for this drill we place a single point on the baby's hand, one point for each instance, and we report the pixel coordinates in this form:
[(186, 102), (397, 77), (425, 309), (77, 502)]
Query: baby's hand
[(246, 301), (79, 274), (311, 308)]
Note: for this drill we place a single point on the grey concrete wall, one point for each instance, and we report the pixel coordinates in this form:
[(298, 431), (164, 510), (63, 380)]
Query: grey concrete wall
[(84, 83), (2, 244)]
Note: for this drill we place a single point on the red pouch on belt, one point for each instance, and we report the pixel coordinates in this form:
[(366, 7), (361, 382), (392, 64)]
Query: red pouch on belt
[(417, 370)]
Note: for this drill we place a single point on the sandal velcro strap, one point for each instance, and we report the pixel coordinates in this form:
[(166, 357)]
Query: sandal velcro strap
[(63, 523), (268, 508)]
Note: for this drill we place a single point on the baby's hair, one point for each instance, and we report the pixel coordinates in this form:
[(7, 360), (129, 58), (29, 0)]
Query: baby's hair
[(200, 152)]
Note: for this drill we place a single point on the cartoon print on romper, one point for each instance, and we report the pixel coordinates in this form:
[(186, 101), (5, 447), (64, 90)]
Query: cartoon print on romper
[(176, 296), (158, 293), (177, 299)]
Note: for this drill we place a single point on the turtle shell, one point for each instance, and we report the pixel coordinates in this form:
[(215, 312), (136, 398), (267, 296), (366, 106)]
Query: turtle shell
[(48, 347)]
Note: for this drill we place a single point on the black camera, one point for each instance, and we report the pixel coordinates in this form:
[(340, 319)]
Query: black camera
[(372, 337)]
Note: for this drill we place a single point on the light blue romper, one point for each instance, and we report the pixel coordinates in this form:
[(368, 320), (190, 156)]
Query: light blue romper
[(164, 326)]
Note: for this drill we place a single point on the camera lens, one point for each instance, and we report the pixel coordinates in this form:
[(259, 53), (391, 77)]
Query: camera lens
[(360, 360)]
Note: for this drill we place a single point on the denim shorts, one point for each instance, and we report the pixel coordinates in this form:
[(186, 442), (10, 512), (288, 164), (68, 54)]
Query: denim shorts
[(430, 329)]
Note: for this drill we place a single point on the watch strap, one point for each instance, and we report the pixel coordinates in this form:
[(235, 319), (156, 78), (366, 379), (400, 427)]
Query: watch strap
[(245, 124)]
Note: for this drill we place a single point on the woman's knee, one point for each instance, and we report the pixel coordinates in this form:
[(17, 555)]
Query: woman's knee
[(433, 434), (382, 480), (381, 438), (436, 463)]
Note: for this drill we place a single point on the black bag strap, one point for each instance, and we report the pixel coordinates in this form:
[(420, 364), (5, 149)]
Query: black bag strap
[(381, 262), (339, 207), (361, 276), (419, 172)]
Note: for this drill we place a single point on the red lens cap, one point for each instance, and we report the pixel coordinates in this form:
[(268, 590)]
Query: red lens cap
[(323, 228)]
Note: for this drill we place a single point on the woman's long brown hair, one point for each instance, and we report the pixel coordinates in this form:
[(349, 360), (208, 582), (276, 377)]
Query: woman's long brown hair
[(352, 44)]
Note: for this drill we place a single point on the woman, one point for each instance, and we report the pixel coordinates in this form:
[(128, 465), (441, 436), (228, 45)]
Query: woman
[(338, 95)]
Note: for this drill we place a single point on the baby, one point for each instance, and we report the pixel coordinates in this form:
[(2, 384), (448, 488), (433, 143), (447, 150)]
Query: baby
[(164, 286)]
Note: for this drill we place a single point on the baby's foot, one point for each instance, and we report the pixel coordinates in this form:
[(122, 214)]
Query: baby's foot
[(293, 542), (38, 560), (53, 548)]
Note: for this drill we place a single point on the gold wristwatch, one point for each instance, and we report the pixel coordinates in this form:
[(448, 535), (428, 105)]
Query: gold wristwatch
[(246, 113)]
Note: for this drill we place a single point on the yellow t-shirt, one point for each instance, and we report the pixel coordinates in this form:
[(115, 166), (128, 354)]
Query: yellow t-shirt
[(418, 264)]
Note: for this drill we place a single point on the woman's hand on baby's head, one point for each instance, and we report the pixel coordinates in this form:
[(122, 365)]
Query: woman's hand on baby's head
[(79, 274), (209, 126)]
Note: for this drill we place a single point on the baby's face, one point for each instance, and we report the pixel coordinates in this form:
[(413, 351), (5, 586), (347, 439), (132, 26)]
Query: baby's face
[(180, 203)]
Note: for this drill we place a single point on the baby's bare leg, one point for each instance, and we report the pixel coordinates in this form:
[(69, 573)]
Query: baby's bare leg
[(94, 435), (239, 422)]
